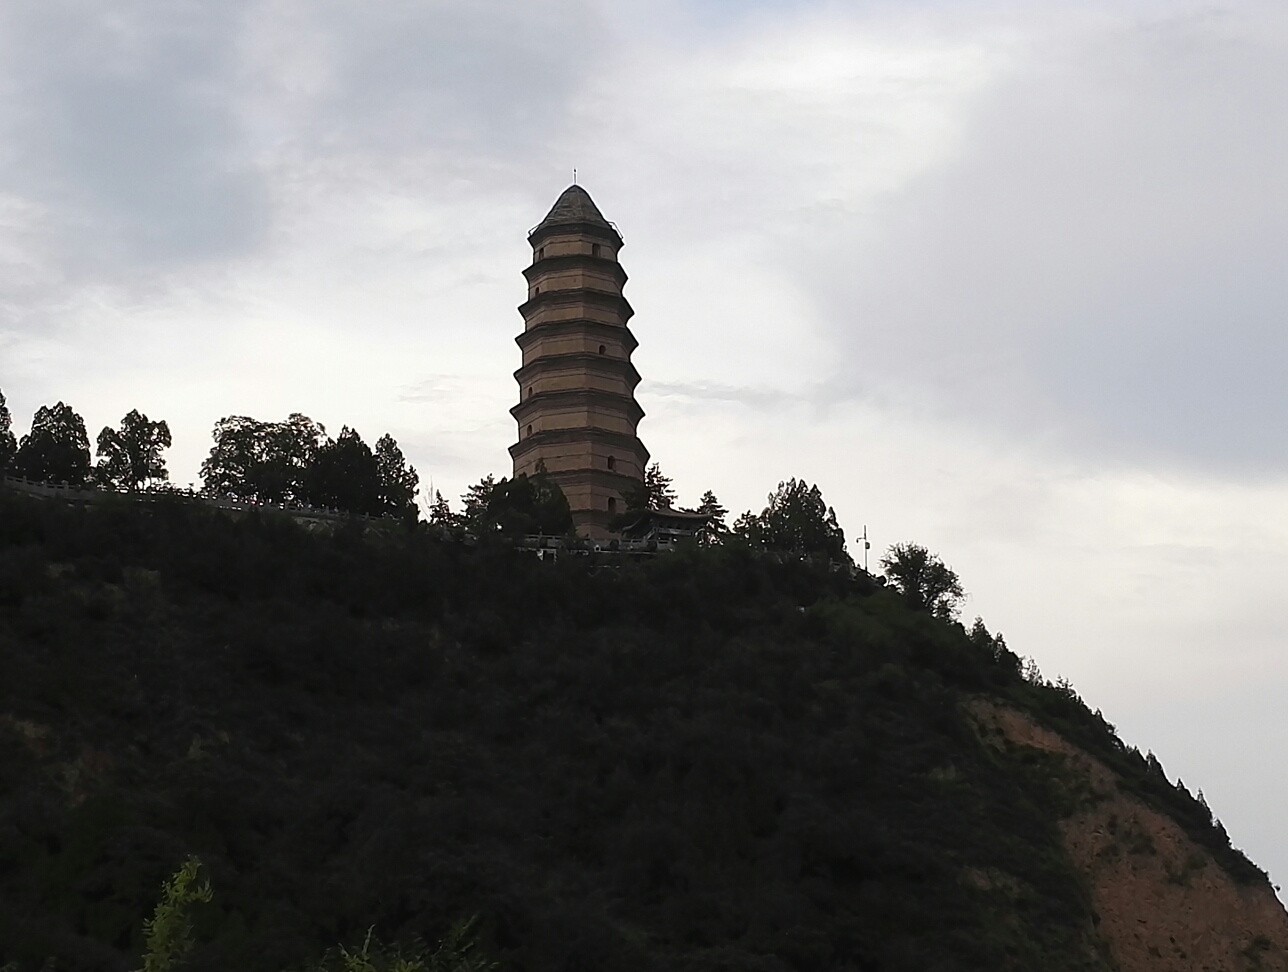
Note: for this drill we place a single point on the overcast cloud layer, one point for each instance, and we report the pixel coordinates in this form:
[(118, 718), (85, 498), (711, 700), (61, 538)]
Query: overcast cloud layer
[(1004, 278)]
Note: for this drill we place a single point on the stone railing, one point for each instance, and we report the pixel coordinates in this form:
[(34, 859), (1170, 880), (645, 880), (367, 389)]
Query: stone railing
[(152, 494)]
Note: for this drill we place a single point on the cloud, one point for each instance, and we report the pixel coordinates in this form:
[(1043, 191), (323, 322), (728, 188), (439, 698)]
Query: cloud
[(1098, 260), (125, 135)]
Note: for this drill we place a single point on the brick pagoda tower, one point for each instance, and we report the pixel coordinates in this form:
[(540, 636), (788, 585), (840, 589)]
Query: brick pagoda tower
[(577, 412)]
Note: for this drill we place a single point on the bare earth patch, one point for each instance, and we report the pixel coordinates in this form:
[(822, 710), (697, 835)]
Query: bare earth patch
[(1164, 903)]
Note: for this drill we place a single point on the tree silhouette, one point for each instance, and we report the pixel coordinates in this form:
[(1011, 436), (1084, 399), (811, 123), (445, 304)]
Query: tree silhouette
[(344, 474), (440, 512), (398, 481), (925, 581), (796, 520), (131, 456), (715, 527), (56, 449), (526, 505), (8, 445), (264, 461), (475, 500), (653, 493)]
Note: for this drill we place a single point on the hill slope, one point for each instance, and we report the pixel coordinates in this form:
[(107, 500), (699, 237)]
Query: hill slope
[(709, 761)]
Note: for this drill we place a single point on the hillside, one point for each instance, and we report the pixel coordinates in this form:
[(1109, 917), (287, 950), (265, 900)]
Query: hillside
[(709, 761)]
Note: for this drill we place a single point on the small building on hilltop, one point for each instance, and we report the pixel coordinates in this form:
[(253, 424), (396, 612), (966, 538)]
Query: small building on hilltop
[(663, 528), (577, 414)]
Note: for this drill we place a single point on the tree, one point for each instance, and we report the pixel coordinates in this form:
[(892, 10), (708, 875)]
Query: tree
[(526, 505), (475, 500), (168, 933), (715, 528), (653, 493), (398, 480), (796, 520), (345, 475), (233, 463), (264, 461), (8, 446), (926, 582), (131, 456), (291, 448), (56, 449), (440, 512)]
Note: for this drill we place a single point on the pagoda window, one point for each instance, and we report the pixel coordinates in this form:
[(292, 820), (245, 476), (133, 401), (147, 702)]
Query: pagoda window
[(612, 504), (612, 464), (602, 349), (594, 249), (529, 430)]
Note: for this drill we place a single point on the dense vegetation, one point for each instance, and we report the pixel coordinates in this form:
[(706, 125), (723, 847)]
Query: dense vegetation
[(715, 760), (293, 461)]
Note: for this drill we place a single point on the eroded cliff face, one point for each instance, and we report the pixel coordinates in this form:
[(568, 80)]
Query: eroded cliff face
[(1163, 902)]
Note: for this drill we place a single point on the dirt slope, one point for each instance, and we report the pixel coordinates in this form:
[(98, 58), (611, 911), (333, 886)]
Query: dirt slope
[(1164, 904)]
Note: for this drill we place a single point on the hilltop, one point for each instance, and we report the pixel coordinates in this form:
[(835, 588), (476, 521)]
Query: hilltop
[(712, 760)]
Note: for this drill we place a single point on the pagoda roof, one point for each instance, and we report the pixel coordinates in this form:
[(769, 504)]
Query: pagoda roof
[(574, 207)]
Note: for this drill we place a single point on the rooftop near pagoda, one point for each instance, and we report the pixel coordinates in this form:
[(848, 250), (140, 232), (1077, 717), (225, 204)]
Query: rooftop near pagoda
[(574, 207)]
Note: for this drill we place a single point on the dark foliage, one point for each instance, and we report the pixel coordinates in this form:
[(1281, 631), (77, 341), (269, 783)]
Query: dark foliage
[(295, 461), (130, 456), (715, 528), (8, 445), (475, 503), (925, 581), (653, 493), (710, 761), (527, 505), (264, 461), (344, 475), (796, 520), (56, 450), (398, 480)]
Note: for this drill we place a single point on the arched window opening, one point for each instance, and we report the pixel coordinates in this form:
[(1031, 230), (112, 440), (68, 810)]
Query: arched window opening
[(594, 249), (541, 253), (529, 391), (529, 430), (602, 349), (612, 462), (612, 504), (536, 290)]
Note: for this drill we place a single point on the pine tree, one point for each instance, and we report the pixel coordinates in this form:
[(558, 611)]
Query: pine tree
[(8, 446), (399, 481), (658, 486), (654, 493), (440, 512), (715, 527), (475, 500)]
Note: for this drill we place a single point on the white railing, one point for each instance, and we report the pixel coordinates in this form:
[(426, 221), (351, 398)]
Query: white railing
[(152, 494)]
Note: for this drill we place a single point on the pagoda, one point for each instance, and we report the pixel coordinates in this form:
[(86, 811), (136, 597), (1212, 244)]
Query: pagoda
[(577, 412)]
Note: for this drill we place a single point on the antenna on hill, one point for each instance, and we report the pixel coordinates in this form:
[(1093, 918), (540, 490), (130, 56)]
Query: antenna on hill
[(574, 176), (866, 547)]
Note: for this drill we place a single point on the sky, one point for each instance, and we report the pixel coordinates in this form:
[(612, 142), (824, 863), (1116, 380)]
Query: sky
[(1007, 279)]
